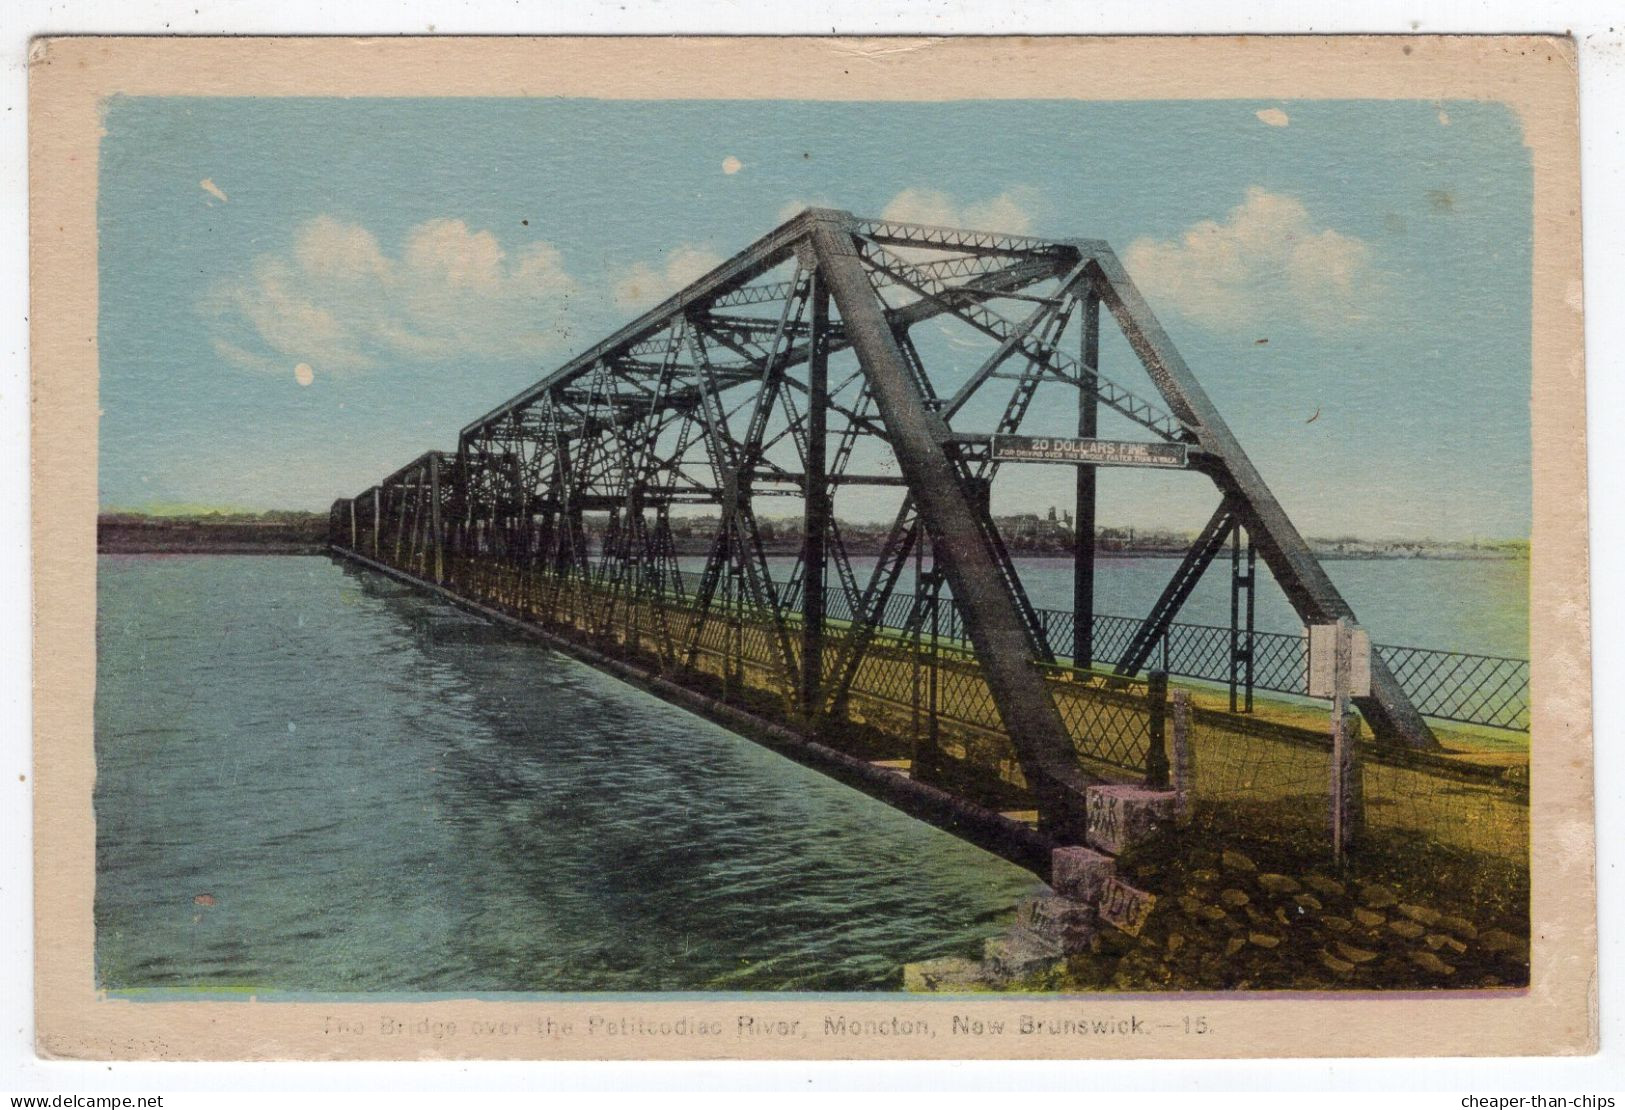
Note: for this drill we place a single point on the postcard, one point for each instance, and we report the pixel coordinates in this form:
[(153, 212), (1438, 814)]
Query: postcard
[(810, 548)]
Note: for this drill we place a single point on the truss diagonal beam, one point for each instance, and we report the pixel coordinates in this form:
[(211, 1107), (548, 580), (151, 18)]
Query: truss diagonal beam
[(994, 624), (1301, 577)]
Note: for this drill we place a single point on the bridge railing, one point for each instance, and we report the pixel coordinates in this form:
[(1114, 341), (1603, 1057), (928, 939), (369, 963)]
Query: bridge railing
[(1485, 690)]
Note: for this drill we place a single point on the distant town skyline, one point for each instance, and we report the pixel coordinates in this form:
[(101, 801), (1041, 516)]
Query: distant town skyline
[(299, 295)]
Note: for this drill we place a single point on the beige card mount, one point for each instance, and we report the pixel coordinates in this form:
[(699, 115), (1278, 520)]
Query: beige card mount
[(803, 548)]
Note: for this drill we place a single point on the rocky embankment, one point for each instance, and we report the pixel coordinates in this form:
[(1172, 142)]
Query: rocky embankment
[(1225, 920), (1225, 923)]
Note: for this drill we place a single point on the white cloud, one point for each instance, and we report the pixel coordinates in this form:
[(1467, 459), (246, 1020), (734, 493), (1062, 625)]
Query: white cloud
[(794, 208), (1267, 262), (1011, 211), (1274, 117), (643, 285), (212, 189), (336, 300)]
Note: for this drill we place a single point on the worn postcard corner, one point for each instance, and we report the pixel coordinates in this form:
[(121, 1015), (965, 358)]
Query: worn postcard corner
[(696, 548)]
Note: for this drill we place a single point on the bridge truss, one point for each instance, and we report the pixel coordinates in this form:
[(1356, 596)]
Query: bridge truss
[(803, 369)]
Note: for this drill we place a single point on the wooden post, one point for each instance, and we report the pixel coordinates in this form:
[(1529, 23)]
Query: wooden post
[(1156, 756), (1184, 769)]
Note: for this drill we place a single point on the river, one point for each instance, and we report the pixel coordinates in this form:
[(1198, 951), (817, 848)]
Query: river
[(377, 792), (1479, 606), (314, 780)]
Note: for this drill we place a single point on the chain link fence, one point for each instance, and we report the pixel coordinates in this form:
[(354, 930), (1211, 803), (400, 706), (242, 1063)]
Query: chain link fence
[(1484, 690)]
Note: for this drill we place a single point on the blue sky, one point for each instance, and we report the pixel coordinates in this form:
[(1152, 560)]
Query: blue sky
[(299, 295)]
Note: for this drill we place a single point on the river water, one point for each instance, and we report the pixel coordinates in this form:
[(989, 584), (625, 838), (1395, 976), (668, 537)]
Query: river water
[(379, 793), (312, 779), (1479, 606)]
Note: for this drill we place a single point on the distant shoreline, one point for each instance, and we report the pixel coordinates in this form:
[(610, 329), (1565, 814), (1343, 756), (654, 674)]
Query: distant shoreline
[(124, 535), (306, 534)]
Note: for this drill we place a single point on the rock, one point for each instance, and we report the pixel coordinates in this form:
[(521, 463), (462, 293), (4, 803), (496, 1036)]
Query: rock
[(1420, 914), (1498, 940), (1204, 876), (947, 974), (1353, 954), (1234, 898), (1080, 873), (1235, 944), (1460, 926), (1431, 964), (1327, 888), (1337, 924), (1378, 897), (1308, 902), (1191, 905), (1176, 941), (1235, 861), (1436, 941), (1342, 967), (1113, 942), (1410, 930), (1214, 914), (1369, 918), (1264, 940), (1279, 884), (1280, 915)]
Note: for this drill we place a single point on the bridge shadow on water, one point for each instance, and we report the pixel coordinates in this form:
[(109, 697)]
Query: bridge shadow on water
[(648, 849)]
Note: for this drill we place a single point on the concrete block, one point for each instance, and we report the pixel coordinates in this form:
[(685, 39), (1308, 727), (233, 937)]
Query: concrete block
[(1126, 907), (1122, 816), (1068, 923), (1080, 873), (1018, 955)]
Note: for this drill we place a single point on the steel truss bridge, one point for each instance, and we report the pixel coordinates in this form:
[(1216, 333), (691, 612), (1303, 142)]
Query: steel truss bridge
[(800, 369)]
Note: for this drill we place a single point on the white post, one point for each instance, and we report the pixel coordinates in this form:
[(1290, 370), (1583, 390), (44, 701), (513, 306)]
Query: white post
[(1348, 789)]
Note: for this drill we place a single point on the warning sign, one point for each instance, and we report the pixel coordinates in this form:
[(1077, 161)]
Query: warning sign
[(1096, 452)]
